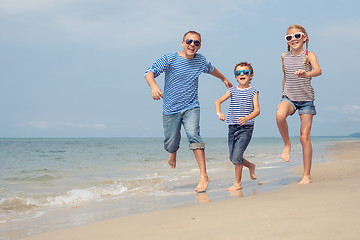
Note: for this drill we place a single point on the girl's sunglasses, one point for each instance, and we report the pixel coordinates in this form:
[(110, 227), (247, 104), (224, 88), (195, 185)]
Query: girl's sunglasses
[(196, 42), (297, 36), (245, 72)]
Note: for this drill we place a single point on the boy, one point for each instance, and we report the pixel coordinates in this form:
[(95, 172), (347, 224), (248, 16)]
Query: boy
[(244, 107)]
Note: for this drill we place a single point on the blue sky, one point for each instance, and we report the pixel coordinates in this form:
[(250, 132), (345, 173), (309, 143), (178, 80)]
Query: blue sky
[(75, 68)]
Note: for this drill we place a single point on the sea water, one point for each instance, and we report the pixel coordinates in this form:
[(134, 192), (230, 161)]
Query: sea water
[(48, 184)]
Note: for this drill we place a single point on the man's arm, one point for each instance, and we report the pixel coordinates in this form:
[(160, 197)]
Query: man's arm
[(220, 76), (156, 93)]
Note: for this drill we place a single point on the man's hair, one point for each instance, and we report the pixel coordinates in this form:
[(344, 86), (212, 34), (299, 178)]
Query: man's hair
[(191, 32)]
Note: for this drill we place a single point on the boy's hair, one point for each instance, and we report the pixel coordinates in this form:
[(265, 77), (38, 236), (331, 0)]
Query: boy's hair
[(192, 32), (302, 29), (244, 64)]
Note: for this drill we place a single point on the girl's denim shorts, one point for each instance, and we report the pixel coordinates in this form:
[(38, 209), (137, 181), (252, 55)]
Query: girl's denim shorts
[(307, 107)]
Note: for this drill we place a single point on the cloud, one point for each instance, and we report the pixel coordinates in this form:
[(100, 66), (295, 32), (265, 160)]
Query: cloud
[(61, 125), (109, 23), (349, 112)]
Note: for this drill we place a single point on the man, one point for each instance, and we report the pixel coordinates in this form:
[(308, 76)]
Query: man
[(180, 98)]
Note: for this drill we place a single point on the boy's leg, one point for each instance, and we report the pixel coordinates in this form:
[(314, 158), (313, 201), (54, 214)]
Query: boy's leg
[(284, 110), (191, 120), (251, 167), (237, 183), (305, 139)]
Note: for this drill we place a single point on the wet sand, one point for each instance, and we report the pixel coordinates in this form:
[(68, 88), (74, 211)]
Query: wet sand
[(328, 208)]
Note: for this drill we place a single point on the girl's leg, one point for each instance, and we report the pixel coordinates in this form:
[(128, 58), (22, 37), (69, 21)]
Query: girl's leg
[(284, 110), (237, 183), (305, 139), (251, 167)]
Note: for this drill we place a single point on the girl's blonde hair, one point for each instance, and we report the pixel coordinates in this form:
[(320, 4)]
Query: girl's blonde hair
[(302, 29)]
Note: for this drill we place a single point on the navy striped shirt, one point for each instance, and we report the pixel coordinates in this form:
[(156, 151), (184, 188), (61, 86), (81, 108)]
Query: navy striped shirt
[(241, 105), (181, 80)]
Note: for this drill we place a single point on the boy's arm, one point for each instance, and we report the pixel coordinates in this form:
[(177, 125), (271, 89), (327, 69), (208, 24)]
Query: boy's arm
[(218, 74), (156, 93), (218, 103), (254, 114)]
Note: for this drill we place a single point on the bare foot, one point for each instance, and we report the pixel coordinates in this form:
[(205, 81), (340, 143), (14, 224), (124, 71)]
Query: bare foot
[(286, 154), (305, 180), (172, 160), (203, 184), (235, 187), (252, 171)]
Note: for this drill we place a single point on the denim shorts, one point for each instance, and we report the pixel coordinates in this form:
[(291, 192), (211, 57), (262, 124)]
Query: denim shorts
[(238, 139), (190, 119), (306, 107)]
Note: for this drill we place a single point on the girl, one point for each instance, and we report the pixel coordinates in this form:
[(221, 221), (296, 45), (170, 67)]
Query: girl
[(299, 67), (244, 107)]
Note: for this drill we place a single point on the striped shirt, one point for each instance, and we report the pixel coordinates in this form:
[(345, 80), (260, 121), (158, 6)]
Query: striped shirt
[(296, 88), (181, 80), (241, 105)]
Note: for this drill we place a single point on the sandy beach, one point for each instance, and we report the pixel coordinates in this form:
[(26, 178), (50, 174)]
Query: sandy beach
[(328, 208)]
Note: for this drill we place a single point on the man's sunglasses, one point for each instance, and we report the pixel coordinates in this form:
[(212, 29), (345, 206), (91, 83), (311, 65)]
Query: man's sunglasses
[(196, 42), (297, 36), (245, 72)]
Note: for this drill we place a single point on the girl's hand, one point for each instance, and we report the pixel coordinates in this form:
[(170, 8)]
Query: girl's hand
[(242, 121), (221, 116), (301, 73)]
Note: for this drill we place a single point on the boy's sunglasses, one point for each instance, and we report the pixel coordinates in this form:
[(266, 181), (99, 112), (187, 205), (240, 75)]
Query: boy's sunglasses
[(297, 36), (196, 42), (245, 72)]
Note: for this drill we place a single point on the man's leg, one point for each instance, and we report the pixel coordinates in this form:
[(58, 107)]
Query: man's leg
[(191, 120), (204, 179), (172, 127)]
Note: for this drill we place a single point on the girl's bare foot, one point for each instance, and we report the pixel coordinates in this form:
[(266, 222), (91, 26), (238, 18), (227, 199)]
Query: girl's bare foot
[(286, 154), (235, 187), (305, 180), (252, 171), (203, 184)]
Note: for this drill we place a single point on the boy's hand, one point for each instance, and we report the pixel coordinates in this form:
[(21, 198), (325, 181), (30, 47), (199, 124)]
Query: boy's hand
[(221, 116), (242, 121)]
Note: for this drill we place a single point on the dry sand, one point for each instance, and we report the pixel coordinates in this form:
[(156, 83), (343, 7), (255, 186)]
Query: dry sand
[(328, 208)]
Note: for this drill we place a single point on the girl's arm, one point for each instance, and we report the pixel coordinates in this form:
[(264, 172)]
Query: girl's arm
[(218, 103), (316, 68), (315, 65), (254, 114), (283, 68)]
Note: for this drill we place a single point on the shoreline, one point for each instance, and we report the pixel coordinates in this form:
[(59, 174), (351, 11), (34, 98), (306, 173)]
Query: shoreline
[(325, 209)]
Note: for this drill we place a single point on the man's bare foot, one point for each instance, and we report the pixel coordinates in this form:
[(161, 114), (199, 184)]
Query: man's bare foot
[(286, 154), (172, 160), (235, 187), (252, 171), (203, 184), (305, 180)]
